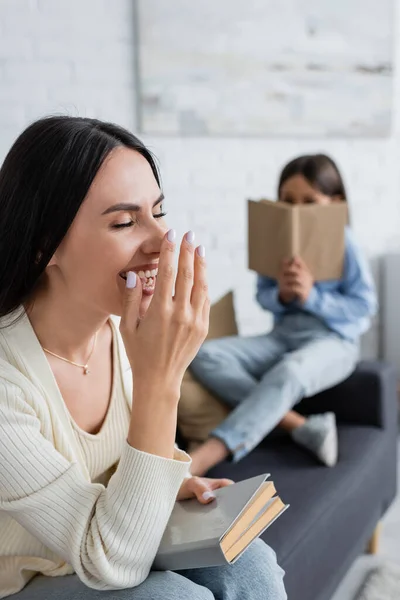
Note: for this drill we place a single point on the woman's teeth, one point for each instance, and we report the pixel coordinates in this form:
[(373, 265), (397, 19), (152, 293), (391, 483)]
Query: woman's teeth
[(148, 277), (147, 274)]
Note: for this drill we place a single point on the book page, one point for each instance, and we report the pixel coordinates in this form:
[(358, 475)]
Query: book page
[(322, 239), (274, 509), (252, 511), (269, 236), (295, 232)]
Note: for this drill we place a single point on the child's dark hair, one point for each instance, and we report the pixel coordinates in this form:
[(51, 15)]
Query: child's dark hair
[(319, 170)]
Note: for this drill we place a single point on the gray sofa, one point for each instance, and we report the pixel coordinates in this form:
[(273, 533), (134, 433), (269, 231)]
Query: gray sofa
[(334, 511)]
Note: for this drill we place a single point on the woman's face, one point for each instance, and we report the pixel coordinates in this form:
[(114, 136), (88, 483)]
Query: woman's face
[(297, 190), (118, 228)]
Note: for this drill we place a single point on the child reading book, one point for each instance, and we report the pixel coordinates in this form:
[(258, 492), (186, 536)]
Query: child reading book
[(313, 345)]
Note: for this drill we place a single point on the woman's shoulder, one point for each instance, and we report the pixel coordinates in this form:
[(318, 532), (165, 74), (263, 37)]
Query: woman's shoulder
[(16, 392), (19, 348), (14, 385)]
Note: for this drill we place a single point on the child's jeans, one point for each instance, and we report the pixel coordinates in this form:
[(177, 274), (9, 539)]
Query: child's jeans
[(264, 377)]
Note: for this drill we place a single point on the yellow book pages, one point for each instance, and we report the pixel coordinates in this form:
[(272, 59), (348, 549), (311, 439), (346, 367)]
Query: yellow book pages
[(265, 519), (265, 493)]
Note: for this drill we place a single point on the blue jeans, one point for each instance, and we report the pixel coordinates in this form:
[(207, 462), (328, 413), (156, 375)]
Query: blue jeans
[(255, 576), (263, 377)]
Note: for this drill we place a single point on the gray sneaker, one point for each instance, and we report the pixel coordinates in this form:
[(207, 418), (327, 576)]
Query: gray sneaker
[(319, 435)]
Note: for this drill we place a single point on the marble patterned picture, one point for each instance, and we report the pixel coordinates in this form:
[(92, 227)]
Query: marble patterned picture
[(265, 68)]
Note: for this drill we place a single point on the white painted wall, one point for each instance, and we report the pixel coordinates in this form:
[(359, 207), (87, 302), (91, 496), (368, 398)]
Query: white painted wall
[(77, 56)]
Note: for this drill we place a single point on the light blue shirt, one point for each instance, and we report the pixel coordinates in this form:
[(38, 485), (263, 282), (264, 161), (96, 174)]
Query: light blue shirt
[(345, 305)]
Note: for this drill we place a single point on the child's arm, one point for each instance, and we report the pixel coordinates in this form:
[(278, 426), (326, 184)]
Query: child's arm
[(268, 295), (354, 302)]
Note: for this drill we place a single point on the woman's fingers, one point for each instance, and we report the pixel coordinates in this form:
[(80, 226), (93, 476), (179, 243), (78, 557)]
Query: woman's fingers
[(199, 297), (166, 271), (195, 487), (204, 488), (206, 313), (220, 483), (185, 275), (133, 295)]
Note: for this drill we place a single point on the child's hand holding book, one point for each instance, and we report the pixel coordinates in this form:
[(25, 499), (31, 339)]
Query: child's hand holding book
[(302, 280), (295, 281), (286, 293)]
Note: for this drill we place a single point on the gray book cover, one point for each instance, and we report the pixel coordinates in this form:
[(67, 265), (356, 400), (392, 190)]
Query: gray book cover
[(194, 531)]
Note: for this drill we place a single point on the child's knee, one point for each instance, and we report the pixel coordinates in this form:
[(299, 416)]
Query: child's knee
[(208, 357), (290, 372)]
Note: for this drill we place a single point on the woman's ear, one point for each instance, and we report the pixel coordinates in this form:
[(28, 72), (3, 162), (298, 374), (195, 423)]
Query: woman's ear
[(52, 261)]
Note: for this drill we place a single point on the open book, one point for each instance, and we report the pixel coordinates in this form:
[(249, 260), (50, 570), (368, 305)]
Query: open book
[(207, 535), (279, 231)]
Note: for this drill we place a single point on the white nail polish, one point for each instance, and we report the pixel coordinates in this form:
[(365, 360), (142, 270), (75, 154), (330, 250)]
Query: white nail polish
[(190, 237), (171, 235), (208, 495), (131, 280)]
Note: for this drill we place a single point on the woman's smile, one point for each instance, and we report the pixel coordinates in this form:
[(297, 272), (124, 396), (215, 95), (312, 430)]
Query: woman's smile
[(147, 274)]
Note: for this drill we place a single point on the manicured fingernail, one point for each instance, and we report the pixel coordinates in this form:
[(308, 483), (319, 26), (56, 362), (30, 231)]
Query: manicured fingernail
[(190, 237), (171, 235), (131, 280), (201, 251), (208, 495)]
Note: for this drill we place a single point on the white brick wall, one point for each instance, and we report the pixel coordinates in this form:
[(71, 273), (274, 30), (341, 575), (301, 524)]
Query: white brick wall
[(77, 56)]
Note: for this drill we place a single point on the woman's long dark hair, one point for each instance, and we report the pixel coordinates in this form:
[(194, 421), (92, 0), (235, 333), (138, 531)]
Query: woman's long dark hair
[(43, 182), (320, 171)]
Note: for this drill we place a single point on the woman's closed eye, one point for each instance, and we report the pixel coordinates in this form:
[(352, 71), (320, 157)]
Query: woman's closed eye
[(131, 223)]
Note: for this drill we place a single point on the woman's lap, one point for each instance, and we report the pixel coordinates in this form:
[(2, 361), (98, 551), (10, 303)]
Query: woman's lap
[(255, 576), (164, 585)]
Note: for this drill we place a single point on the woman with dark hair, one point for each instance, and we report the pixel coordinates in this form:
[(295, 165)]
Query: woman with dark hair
[(313, 346), (88, 477)]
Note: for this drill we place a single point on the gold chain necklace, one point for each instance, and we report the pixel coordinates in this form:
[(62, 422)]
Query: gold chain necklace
[(85, 367)]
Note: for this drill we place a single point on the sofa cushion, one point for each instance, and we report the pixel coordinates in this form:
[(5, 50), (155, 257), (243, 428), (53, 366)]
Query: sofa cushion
[(199, 412), (329, 508)]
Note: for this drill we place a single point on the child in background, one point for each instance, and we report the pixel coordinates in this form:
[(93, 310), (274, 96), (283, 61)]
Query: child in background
[(313, 346)]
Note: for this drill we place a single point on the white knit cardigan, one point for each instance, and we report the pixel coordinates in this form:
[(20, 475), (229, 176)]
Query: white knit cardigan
[(53, 520)]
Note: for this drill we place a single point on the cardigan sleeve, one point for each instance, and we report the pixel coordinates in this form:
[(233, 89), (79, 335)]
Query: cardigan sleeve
[(109, 535)]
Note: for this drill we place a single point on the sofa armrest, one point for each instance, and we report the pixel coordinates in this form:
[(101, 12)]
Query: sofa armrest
[(367, 397)]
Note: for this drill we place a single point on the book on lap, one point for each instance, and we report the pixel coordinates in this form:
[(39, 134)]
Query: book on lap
[(316, 233), (206, 535)]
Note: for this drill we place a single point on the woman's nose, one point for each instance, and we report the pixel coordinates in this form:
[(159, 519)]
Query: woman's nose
[(155, 237)]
